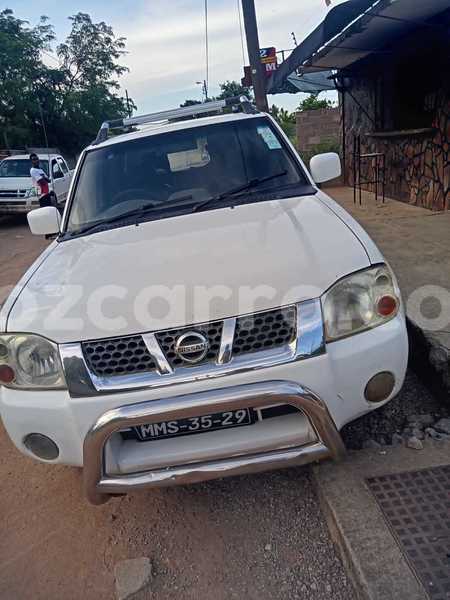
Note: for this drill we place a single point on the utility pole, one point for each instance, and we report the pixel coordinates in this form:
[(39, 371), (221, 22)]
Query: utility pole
[(256, 67)]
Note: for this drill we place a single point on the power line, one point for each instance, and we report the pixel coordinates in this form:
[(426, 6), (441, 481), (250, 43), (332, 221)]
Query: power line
[(241, 31), (206, 50)]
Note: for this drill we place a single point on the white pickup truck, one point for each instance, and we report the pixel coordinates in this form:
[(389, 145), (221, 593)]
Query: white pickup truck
[(18, 194), (205, 310)]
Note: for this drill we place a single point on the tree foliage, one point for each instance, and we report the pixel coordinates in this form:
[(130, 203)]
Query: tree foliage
[(73, 97), (228, 89), (231, 89), (312, 102)]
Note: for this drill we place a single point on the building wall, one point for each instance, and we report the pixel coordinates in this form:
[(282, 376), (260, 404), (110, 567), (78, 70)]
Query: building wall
[(417, 162), (318, 127)]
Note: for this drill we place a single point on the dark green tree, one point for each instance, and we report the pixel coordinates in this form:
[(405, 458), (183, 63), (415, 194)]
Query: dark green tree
[(312, 102), (230, 89), (21, 73), (190, 102), (73, 98)]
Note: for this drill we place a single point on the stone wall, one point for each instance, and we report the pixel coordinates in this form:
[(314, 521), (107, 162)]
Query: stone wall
[(417, 162), (317, 127)]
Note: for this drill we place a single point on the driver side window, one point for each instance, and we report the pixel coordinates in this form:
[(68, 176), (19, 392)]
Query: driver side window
[(56, 170)]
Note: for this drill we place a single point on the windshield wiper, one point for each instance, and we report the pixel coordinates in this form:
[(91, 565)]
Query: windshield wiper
[(238, 190), (136, 212)]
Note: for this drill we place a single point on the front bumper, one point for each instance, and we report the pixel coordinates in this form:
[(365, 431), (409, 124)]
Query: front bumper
[(18, 207), (82, 425), (99, 486)]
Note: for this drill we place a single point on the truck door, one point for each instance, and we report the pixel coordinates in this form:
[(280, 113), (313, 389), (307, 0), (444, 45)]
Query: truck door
[(60, 181)]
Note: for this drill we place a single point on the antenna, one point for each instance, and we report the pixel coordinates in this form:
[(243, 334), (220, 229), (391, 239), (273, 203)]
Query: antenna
[(206, 84)]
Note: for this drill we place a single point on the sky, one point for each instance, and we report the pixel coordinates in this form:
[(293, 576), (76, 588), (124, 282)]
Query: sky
[(166, 40)]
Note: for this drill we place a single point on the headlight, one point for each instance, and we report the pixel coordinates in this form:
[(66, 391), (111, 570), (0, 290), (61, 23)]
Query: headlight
[(31, 193), (360, 301), (30, 361)]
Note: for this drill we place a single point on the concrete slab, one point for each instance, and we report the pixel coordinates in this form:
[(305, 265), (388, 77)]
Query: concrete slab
[(416, 242), (376, 563)]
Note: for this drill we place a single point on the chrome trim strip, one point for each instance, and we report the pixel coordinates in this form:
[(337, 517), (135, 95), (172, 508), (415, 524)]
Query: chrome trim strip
[(78, 378), (309, 342), (310, 329), (162, 364), (226, 343), (98, 485)]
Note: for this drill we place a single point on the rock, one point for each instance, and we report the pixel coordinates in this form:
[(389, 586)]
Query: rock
[(443, 426), (371, 444), (397, 439), (435, 435), (131, 576), (430, 432), (423, 420), (414, 443), (268, 547), (418, 433)]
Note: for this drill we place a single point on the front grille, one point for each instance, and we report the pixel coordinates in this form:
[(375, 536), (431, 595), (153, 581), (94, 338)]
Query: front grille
[(212, 331), (12, 193), (129, 355), (118, 356), (264, 331)]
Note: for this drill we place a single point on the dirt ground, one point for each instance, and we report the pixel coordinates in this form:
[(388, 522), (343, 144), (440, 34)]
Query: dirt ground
[(259, 537)]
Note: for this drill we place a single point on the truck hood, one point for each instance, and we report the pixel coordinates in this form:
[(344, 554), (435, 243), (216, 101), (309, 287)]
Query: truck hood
[(187, 269), (15, 183)]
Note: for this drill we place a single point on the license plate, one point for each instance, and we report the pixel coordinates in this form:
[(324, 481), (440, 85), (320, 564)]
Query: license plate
[(178, 427)]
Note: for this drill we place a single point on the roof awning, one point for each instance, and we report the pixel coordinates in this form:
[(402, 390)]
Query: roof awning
[(350, 32), (312, 83)]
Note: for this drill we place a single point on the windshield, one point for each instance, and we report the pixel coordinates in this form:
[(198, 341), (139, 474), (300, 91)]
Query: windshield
[(19, 167), (181, 168)]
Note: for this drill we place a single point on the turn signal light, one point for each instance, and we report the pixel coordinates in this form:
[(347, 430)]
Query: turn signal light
[(7, 374), (387, 305)]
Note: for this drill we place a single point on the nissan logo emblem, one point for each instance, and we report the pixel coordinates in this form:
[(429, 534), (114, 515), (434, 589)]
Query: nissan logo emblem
[(192, 346)]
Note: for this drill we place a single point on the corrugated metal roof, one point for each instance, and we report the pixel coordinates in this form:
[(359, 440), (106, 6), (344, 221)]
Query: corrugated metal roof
[(352, 31)]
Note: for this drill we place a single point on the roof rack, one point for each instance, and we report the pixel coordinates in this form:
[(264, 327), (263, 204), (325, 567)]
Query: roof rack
[(176, 114)]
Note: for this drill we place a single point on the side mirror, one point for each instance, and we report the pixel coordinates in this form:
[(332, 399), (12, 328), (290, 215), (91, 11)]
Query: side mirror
[(44, 221), (325, 167)]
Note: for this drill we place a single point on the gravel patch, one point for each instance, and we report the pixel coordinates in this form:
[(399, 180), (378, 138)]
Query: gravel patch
[(411, 414), (261, 537)]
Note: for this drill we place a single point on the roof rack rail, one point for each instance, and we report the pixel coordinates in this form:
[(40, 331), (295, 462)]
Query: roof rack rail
[(176, 114)]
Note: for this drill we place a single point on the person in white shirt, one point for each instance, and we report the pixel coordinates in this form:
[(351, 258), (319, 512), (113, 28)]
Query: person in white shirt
[(40, 179)]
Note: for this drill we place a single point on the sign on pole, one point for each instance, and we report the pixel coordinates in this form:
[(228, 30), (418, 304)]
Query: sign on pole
[(269, 59)]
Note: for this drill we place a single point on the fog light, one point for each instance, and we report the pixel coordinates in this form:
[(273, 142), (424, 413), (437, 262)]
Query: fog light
[(41, 446), (380, 387)]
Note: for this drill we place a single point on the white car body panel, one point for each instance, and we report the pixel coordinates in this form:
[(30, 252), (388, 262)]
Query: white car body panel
[(279, 245)]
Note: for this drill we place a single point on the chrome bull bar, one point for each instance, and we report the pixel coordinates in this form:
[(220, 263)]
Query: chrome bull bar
[(99, 487)]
